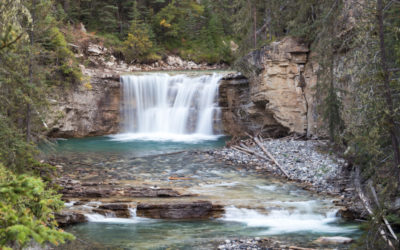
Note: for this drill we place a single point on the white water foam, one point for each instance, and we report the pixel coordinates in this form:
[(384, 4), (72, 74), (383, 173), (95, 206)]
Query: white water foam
[(98, 218), (165, 107), (189, 138), (267, 187), (282, 221)]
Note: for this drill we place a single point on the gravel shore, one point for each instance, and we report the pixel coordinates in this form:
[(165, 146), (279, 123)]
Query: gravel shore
[(302, 160), (308, 162)]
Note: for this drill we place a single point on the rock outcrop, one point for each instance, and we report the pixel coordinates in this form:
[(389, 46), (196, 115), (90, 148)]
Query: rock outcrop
[(76, 189), (181, 210), (90, 109), (240, 114), (278, 97), (70, 217)]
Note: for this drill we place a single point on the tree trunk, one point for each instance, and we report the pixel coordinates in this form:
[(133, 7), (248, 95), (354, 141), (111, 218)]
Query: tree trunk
[(31, 41), (387, 90), (255, 25)]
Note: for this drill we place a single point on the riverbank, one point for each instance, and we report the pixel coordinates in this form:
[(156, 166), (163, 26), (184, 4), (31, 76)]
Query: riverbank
[(308, 162)]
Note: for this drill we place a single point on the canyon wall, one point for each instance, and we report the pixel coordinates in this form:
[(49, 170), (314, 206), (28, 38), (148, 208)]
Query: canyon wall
[(89, 109), (275, 95)]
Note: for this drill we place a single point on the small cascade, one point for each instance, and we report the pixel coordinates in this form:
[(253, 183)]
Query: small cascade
[(172, 107), (282, 221), (111, 218)]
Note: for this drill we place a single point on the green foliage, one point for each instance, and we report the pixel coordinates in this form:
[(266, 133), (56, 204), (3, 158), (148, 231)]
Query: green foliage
[(26, 211), (143, 31), (137, 46), (326, 44), (34, 56), (15, 152), (63, 60)]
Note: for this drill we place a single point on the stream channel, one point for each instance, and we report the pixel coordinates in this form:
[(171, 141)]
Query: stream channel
[(256, 205)]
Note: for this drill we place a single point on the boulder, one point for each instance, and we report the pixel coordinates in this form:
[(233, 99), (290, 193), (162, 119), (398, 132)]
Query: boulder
[(334, 240), (67, 218), (174, 61), (181, 210), (96, 50)]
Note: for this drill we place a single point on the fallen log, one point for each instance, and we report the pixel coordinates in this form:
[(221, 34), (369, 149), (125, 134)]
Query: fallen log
[(383, 217), (250, 152), (368, 207), (256, 140), (175, 178)]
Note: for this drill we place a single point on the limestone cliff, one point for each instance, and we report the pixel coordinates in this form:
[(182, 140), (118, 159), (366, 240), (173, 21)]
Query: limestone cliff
[(86, 110), (240, 114), (278, 96)]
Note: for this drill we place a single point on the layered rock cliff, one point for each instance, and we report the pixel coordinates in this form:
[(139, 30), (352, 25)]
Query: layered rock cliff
[(275, 94), (87, 110)]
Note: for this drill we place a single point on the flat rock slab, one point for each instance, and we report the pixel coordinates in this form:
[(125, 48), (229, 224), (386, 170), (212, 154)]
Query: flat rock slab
[(77, 189), (115, 206), (182, 210)]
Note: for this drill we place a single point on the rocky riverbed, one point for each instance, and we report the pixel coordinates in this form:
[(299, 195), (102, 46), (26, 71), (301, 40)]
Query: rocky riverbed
[(309, 162), (206, 189)]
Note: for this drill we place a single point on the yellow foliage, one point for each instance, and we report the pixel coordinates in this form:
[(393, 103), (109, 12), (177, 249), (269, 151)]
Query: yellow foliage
[(165, 24), (88, 86)]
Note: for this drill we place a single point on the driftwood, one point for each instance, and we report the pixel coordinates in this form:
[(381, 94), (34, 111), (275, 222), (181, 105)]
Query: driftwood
[(368, 207), (375, 196), (250, 152), (258, 142), (175, 178)]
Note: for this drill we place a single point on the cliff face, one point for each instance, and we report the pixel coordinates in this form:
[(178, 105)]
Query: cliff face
[(240, 114), (278, 96), (87, 110)]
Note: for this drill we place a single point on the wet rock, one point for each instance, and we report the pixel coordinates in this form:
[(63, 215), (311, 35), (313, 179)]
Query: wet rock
[(120, 210), (67, 218), (104, 212), (348, 213), (115, 206), (256, 243), (334, 240), (182, 210)]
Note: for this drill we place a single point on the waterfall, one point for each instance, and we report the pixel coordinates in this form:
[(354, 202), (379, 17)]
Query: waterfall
[(171, 107)]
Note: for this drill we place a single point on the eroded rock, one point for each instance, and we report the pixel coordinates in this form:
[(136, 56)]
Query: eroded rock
[(281, 80), (240, 114), (76, 189), (70, 217), (182, 210), (90, 109)]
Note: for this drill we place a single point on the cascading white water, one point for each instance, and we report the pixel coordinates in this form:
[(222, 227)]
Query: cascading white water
[(171, 107)]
